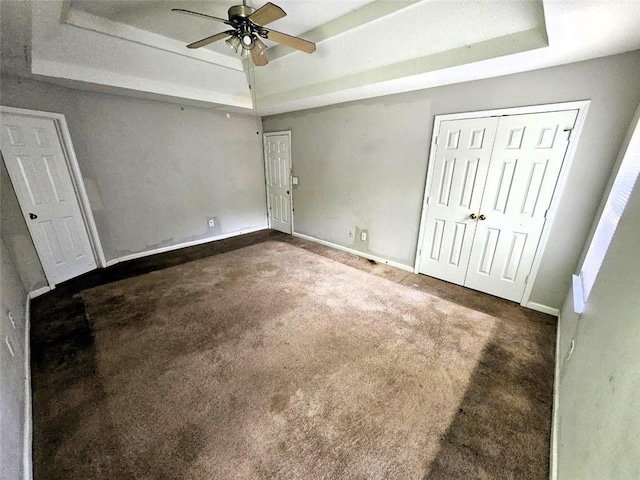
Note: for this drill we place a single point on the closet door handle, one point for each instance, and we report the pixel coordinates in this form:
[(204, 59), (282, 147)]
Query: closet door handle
[(482, 217), (33, 216), (473, 216)]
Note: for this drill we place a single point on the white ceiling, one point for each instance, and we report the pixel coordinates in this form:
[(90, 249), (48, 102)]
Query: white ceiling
[(156, 16), (365, 48)]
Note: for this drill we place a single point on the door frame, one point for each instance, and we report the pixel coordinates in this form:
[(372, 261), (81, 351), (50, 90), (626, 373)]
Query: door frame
[(582, 107), (266, 171), (75, 174)]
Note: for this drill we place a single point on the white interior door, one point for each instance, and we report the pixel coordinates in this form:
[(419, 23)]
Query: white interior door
[(459, 173), (527, 156), (492, 183), (35, 159), (277, 153)]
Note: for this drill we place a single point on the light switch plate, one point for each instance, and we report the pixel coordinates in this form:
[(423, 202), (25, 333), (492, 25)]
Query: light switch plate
[(294, 180)]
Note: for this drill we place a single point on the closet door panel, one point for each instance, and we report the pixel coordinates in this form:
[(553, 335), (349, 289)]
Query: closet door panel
[(459, 174), (524, 168)]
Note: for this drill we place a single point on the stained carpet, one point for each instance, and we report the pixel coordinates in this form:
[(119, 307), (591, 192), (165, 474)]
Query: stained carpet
[(273, 362)]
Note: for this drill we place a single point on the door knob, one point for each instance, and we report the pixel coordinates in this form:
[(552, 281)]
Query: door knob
[(482, 217), (287, 192), (473, 216), (33, 216)]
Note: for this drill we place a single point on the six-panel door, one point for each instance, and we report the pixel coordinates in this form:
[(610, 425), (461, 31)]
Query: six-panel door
[(459, 173), (524, 158), (527, 156), (278, 170), (35, 160)]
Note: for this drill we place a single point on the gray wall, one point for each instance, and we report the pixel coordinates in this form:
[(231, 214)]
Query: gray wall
[(155, 172), (16, 237), (599, 390), (12, 374), (364, 163)]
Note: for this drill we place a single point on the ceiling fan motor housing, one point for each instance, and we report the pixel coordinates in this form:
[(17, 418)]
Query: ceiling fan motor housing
[(238, 13)]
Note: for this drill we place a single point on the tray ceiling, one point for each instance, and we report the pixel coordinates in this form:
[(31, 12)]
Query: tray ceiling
[(365, 47)]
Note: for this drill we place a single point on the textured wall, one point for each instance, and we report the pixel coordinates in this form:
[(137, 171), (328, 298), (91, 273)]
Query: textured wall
[(155, 172), (364, 163), (599, 394), (12, 373)]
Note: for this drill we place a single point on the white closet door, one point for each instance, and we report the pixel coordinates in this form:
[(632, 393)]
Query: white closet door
[(460, 169), (527, 156)]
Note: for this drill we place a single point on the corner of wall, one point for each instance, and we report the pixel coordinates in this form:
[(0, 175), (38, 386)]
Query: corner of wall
[(553, 453), (15, 401), (27, 462)]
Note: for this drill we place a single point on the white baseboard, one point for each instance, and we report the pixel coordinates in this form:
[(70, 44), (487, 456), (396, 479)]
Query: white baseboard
[(553, 453), (40, 291), (193, 243), (28, 421), (538, 307), (368, 256)]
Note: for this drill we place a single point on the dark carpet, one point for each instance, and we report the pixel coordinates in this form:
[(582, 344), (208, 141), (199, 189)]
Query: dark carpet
[(271, 357)]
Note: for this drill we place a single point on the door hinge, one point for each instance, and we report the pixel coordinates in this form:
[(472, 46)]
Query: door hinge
[(546, 212), (526, 279), (437, 139)]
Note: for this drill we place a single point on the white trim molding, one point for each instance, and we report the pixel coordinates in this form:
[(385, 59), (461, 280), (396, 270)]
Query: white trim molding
[(391, 263), (27, 460), (553, 454), (41, 291), (539, 307), (147, 253)]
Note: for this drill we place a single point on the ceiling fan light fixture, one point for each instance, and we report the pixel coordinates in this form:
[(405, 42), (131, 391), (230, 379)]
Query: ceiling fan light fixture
[(247, 29), (259, 46), (233, 42), (248, 41)]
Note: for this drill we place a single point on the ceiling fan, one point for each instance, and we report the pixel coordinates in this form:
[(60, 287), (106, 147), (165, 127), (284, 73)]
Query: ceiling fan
[(248, 27)]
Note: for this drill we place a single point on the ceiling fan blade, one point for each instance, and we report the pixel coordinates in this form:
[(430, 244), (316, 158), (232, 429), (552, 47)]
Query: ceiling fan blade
[(211, 39), (293, 42), (267, 13), (259, 59), (201, 15)]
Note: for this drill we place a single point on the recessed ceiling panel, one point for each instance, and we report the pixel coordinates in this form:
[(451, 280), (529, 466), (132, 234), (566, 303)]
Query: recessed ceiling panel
[(156, 16)]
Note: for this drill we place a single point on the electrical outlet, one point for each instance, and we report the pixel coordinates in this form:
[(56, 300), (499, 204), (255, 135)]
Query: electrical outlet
[(351, 233), (211, 223), (363, 236)]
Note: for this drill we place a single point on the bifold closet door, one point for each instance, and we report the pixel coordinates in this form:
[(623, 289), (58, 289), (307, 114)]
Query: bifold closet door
[(459, 173), (492, 183), (525, 163)]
